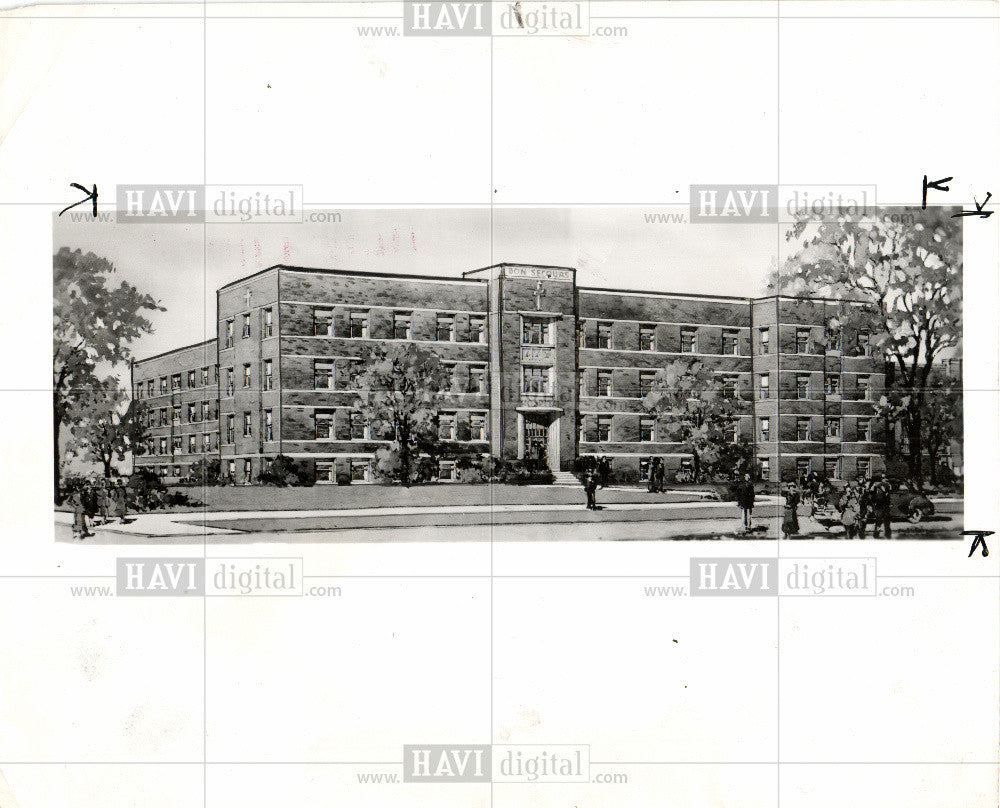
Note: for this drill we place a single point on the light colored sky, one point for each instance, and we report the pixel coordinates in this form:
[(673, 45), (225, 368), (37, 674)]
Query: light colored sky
[(182, 266)]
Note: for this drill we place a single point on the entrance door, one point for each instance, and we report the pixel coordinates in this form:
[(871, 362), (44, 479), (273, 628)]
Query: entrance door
[(536, 438)]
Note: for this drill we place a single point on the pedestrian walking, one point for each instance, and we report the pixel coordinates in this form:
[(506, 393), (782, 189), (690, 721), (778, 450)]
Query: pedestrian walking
[(120, 503), (104, 501), (660, 472), (653, 466), (881, 506), (590, 487), (79, 515), (604, 471), (745, 499), (790, 521), (850, 511)]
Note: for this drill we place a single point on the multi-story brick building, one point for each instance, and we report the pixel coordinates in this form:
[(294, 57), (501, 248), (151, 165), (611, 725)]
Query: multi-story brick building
[(541, 367)]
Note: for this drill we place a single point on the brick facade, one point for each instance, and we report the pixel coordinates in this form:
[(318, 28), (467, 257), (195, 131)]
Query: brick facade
[(540, 367)]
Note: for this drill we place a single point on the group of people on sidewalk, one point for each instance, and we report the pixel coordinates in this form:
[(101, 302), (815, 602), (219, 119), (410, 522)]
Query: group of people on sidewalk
[(861, 503), (101, 499)]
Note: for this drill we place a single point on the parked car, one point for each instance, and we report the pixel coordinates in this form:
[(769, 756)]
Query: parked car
[(911, 505)]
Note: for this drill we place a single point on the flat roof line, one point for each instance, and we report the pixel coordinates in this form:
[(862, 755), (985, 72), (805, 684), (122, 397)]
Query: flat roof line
[(518, 264), (355, 273), (175, 350), (610, 290)]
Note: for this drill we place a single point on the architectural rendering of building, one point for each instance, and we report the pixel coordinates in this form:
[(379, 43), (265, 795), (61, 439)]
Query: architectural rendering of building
[(540, 367)]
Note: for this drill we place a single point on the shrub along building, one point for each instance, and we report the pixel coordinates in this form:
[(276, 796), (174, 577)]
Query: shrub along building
[(540, 368)]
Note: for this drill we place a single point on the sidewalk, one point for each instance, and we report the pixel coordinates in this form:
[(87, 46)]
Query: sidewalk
[(202, 523)]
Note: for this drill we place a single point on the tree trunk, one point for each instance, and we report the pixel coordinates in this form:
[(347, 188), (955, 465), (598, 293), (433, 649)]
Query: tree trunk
[(696, 465), (56, 424), (914, 437), (403, 436)]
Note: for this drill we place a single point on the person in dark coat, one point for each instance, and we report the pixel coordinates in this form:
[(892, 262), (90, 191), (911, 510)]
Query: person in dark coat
[(850, 510), (660, 473), (745, 498), (654, 464), (590, 486), (880, 503), (790, 521), (604, 471), (79, 515)]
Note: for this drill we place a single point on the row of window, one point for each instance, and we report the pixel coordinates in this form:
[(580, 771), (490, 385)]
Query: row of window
[(247, 378), (832, 428), (831, 386), (357, 326), (171, 384), (324, 377), (604, 387), (805, 343), (266, 327), (355, 427), (208, 442), (197, 411), (230, 431)]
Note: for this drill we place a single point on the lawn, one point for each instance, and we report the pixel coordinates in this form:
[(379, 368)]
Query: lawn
[(326, 497)]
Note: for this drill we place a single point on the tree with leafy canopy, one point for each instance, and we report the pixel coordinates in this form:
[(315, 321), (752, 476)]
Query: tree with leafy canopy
[(93, 324), (110, 425), (692, 407), (400, 390), (906, 272)]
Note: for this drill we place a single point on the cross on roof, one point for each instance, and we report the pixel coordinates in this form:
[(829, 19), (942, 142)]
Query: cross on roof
[(249, 294), (539, 293)]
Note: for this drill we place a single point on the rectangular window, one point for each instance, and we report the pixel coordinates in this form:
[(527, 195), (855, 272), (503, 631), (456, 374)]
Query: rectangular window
[(268, 425), (582, 377), (231, 428), (446, 426), (535, 331), (150, 388), (447, 471), (802, 340), (763, 386), (163, 416), (477, 425), (325, 472), (192, 444), (192, 413), (765, 340), (604, 382), (765, 429), (163, 384), (802, 387), (801, 467), (231, 469), (322, 322), (864, 344), (229, 333), (324, 424), (733, 432), (536, 380), (359, 429), (322, 374), (832, 384), (864, 429), (268, 322), (477, 378), (449, 369), (358, 325), (402, 325), (831, 468), (175, 381), (603, 428), (359, 471), (864, 388), (581, 334), (647, 337), (445, 331), (206, 411), (647, 379), (644, 464), (247, 471), (175, 415), (268, 377), (191, 378), (204, 377), (246, 326), (246, 375), (833, 427), (833, 337), (138, 390), (801, 429), (206, 442), (163, 446), (765, 468), (175, 444), (864, 467), (689, 340), (647, 429), (477, 329), (247, 425), (230, 383), (177, 471), (604, 335), (729, 386), (731, 343), (355, 368)]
